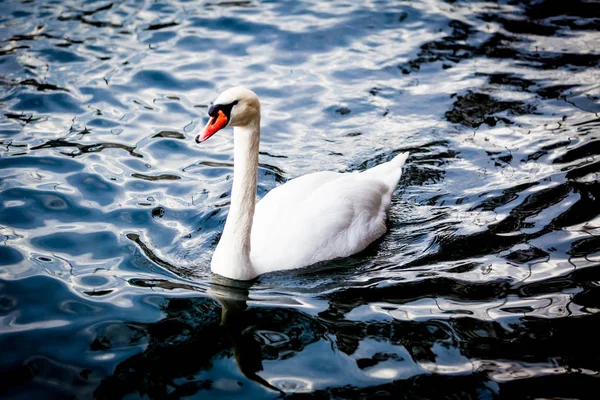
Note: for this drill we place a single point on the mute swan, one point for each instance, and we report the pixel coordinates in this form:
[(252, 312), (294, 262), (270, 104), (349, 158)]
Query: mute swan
[(313, 218)]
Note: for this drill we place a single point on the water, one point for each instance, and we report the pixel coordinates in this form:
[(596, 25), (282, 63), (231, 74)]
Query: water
[(486, 285)]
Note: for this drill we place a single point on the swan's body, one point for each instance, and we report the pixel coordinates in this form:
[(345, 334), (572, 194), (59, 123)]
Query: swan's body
[(313, 218)]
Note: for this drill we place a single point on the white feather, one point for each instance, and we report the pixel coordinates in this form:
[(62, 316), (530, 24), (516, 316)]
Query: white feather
[(313, 218)]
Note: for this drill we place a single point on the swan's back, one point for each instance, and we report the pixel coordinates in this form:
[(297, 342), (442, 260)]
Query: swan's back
[(322, 216)]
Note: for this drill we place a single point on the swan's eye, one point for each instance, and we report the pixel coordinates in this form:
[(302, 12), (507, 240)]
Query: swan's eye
[(214, 110)]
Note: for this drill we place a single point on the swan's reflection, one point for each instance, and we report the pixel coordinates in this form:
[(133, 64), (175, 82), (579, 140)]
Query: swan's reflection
[(184, 351), (239, 329), (233, 297)]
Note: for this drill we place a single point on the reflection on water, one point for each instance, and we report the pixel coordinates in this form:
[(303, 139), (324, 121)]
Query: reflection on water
[(486, 285), (188, 351)]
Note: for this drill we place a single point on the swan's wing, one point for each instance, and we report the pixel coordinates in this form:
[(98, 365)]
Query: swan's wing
[(299, 188), (317, 217)]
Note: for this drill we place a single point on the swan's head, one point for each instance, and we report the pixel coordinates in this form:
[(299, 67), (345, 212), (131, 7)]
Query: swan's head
[(237, 106)]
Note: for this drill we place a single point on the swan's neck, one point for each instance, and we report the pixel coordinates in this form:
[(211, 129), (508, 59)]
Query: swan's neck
[(232, 256)]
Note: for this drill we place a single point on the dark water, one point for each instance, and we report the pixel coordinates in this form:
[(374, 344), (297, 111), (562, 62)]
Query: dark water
[(485, 287)]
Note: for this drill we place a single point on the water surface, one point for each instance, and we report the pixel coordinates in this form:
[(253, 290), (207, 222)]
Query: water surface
[(485, 287)]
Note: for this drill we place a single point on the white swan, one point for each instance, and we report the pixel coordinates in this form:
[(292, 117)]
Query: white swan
[(316, 217)]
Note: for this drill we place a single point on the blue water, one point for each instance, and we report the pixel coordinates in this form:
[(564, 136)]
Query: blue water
[(485, 286)]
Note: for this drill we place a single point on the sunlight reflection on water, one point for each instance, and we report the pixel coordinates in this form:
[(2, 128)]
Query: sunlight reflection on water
[(485, 285)]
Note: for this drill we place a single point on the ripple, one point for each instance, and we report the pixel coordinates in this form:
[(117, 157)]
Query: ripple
[(9, 256), (60, 56), (166, 81), (96, 244), (95, 188), (486, 283), (48, 103)]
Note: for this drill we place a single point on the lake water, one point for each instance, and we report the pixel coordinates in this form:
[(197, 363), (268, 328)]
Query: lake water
[(486, 285)]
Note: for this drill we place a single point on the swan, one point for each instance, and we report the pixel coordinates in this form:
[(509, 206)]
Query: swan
[(316, 217)]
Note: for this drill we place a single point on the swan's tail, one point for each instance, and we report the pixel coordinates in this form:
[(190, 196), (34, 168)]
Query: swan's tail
[(389, 172)]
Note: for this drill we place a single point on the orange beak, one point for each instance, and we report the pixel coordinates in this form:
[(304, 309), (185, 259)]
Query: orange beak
[(215, 124)]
